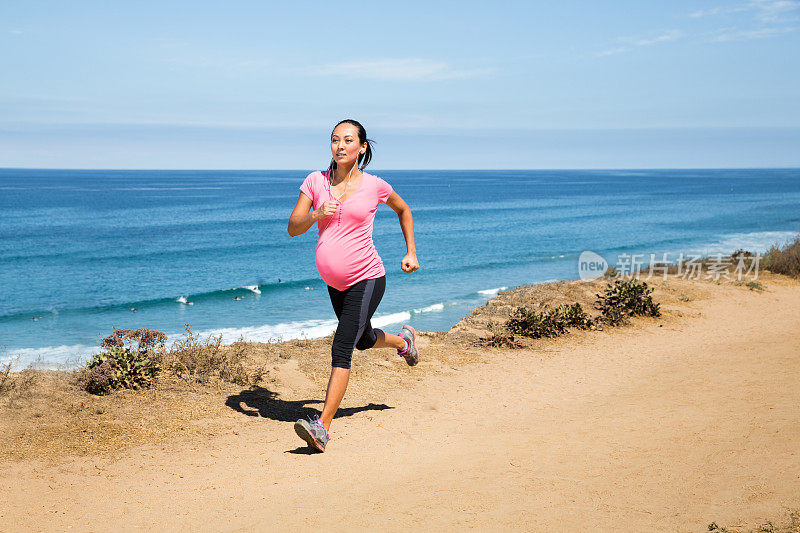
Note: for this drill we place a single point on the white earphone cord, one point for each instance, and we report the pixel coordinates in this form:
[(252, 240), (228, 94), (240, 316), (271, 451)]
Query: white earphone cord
[(338, 199), (347, 185)]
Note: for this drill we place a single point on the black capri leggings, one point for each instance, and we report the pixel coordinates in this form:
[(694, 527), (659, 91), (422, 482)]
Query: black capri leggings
[(354, 307)]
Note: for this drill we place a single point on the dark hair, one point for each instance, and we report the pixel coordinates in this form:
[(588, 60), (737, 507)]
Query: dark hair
[(362, 160)]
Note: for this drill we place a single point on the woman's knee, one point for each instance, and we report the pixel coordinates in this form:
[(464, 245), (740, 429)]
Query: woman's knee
[(365, 343), (368, 340)]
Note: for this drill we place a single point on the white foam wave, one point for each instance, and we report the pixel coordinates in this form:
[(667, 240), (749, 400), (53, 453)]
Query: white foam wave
[(757, 241), (181, 299), (492, 292), (50, 357), (430, 308), (253, 288), (392, 318), (305, 329)]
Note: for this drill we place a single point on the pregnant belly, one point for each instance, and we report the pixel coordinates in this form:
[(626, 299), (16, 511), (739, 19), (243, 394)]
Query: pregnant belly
[(339, 264)]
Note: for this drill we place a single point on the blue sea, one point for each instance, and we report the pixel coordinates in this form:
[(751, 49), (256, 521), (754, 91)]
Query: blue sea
[(79, 249)]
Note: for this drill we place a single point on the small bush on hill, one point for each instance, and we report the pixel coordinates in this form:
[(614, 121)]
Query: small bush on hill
[(574, 316), (536, 324), (123, 366), (624, 299), (550, 322)]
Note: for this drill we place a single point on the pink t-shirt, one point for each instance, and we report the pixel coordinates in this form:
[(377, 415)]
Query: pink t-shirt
[(345, 252)]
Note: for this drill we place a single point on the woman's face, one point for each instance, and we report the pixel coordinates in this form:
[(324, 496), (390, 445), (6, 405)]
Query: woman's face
[(345, 145)]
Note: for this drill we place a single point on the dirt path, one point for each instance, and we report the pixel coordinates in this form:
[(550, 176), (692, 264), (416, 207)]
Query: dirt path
[(640, 429)]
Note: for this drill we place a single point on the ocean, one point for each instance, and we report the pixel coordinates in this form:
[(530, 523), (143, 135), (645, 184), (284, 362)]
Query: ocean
[(79, 249)]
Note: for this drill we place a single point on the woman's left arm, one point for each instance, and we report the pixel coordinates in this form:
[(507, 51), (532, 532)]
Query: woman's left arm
[(409, 262)]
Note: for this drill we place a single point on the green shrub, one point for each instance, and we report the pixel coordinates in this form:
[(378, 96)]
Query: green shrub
[(121, 366), (550, 322), (624, 299), (574, 316), (535, 324)]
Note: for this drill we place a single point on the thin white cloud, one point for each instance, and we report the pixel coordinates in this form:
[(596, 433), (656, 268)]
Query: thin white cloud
[(612, 51), (771, 18), (735, 34), (16, 32), (671, 35), (411, 69), (718, 11), (765, 11), (630, 43), (771, 11)]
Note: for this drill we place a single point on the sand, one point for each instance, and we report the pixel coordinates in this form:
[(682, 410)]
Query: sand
[(666, 425)]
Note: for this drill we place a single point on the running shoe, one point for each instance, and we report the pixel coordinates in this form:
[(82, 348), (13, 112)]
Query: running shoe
[(410, 354), (313, 432)]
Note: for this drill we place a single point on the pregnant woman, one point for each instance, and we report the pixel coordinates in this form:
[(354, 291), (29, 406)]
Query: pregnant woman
[(342, 201)]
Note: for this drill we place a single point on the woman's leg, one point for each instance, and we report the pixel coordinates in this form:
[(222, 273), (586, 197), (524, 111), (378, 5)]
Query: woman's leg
[(374, 337), (337, 384), (352, 308)]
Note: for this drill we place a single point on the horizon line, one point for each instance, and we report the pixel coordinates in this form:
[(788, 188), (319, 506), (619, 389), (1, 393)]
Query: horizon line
[(404, 169)]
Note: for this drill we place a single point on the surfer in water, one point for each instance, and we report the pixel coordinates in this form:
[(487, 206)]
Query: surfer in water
[(342, 201)]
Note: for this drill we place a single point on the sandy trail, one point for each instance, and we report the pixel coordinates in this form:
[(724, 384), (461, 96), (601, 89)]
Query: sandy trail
[(637, 429)]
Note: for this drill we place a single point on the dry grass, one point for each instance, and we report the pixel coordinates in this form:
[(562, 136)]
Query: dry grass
[(784, 259), (209, 360), (5, 371), (15, 386)]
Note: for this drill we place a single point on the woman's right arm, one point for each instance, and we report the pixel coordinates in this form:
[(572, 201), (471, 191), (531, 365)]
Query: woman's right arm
[(300, 219)]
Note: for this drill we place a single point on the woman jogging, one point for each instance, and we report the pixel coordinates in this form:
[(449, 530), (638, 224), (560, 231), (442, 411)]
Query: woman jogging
[(342, 201)]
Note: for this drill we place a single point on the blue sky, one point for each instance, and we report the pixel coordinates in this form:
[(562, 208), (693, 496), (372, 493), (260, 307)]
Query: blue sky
[(259, 84)]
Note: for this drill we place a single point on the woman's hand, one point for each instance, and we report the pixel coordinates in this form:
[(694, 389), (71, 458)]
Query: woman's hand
[(409, 263), (327, 209)]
